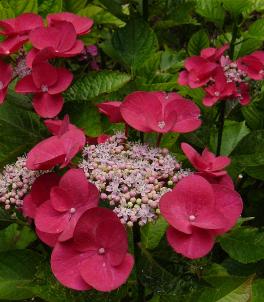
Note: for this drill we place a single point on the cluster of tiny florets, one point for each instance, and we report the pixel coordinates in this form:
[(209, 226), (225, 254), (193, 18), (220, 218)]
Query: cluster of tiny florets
[(132, 177), (231, 70), (15, 182), (21, 69)]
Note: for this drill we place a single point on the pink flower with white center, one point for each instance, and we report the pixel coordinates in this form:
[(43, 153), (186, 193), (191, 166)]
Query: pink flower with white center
[(47, 82), (97, 256), (198, 72), (219, 90), (53, 37), (67, 202), (197, 212), (160, 112), (207, 162), (16, 31)]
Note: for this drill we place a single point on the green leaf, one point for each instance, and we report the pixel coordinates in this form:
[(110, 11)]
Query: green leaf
[(258, 291), (153, 232), (211, 10), (250, 150), (256, 172), (256, 30), (19, 131), (244, 244), (17, 270), (246, 47), (85, 116), (100, 15), (74, 6), (14, 237), (232, 135), (237, 7), (114, 6), (231, 290), (22, 6), (50, 6), (198, 41), (254, 114), (6, 11), (134, 43), (95, 84)]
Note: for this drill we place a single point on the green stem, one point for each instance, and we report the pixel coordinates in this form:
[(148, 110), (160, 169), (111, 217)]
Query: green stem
[(221, 122), (142, 138), (234, 37), (137, 254), (158, 139), (145, 9)]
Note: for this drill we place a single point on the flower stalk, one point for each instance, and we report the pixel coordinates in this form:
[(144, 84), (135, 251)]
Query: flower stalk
[(137, 255)]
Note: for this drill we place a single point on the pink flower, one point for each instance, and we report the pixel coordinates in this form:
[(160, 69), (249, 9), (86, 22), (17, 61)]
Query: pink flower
[(16, 31), (253, 65), (47, 82), (5, 78), (40, 192), (213, 54), (219, 90), (97, 256), (198, 72), (197, 212), (61, 37), (67, 202), (58, 149), (160, 112), (112, 111), (207, 162), (82, 25)]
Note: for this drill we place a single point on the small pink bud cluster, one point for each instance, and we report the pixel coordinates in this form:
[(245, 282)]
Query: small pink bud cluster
[(132, 177), (231, 70), (21, 69), (15, 183)]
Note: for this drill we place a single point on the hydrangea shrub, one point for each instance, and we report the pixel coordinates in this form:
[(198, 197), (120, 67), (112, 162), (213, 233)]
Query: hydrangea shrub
[(131, 151)]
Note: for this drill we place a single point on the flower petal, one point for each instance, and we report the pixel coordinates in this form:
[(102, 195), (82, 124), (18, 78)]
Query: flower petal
[(97, 272), (111, 235), (26, 85), (49, 220), (193, 246), (229, 203), (87, 225), (64, 265), (47, 105), (63, 81), (46, 154), (60, 199), (47, 238), (79, 189)]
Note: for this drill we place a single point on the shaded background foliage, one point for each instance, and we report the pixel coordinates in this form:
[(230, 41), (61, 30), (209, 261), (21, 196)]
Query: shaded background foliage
[(143, 45)]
